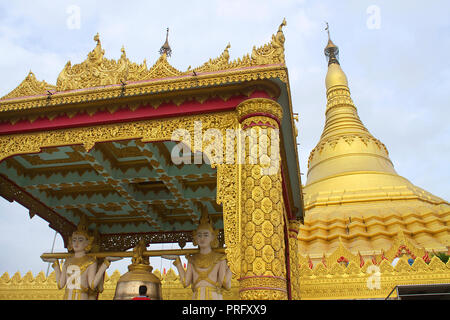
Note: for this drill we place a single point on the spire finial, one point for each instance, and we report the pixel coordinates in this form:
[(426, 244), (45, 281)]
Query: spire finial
[(165, 49), (97, 38), (331, 50), (327, 28)]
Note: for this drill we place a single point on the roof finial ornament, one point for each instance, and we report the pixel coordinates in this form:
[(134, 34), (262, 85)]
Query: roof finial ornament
[(331, 50), (165, 49), (327, 28), (283, 23)]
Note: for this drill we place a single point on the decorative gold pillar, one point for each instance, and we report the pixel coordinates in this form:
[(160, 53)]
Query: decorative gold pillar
[(294, 226), (263, 260)]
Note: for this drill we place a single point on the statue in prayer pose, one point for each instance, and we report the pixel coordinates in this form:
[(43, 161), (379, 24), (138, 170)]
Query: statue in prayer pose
[(207, 271)]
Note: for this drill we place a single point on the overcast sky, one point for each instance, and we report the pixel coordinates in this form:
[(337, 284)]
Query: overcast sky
[(395, 55)]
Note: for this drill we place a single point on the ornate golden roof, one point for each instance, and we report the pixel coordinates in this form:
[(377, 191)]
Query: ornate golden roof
[(97, 70)]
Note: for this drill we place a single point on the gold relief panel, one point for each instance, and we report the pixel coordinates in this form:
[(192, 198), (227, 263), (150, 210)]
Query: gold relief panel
[(257, 193), (275, 288), (274, 195), (258, 216), (266, 183), (257, 106), (266, 205), (275, 242), (250, 254), (267, 229), (259, 266), (256, 173), (249, 205), (258, 241), (275, 215), (278, 268), (268, 254), (249, 230)]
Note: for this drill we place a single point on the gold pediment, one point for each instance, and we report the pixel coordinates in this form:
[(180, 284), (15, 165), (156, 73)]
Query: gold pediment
[(341, 252), (30, 86), (95, 71), (161, 69), (403, 246)]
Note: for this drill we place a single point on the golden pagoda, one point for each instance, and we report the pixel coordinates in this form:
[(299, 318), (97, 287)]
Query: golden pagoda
[(355, 202)]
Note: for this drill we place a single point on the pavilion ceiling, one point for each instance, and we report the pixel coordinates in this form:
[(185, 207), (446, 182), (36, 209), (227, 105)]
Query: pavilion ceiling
[(120, 187)]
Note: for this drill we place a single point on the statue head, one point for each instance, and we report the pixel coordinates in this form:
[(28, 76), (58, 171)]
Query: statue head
[(80, 240), (205, 235)]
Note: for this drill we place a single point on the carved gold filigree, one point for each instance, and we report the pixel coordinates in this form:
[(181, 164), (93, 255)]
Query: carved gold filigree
[(220, 63), (161, 69), (270, 288), (97, 71), (355, 281), (401, 245), (272, 52), (260, 106), (342, 252), (30, 86), (293, 230)]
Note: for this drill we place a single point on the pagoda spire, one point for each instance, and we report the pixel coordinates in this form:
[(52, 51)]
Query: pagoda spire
[(342, 116), (345, 144), (165, 49), (331, 50), (347, 156)]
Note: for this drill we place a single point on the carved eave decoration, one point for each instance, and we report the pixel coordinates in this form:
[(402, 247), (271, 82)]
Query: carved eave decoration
[(99, 78)]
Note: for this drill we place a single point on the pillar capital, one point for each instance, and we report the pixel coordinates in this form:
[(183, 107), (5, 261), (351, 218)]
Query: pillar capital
[(260, 107)]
